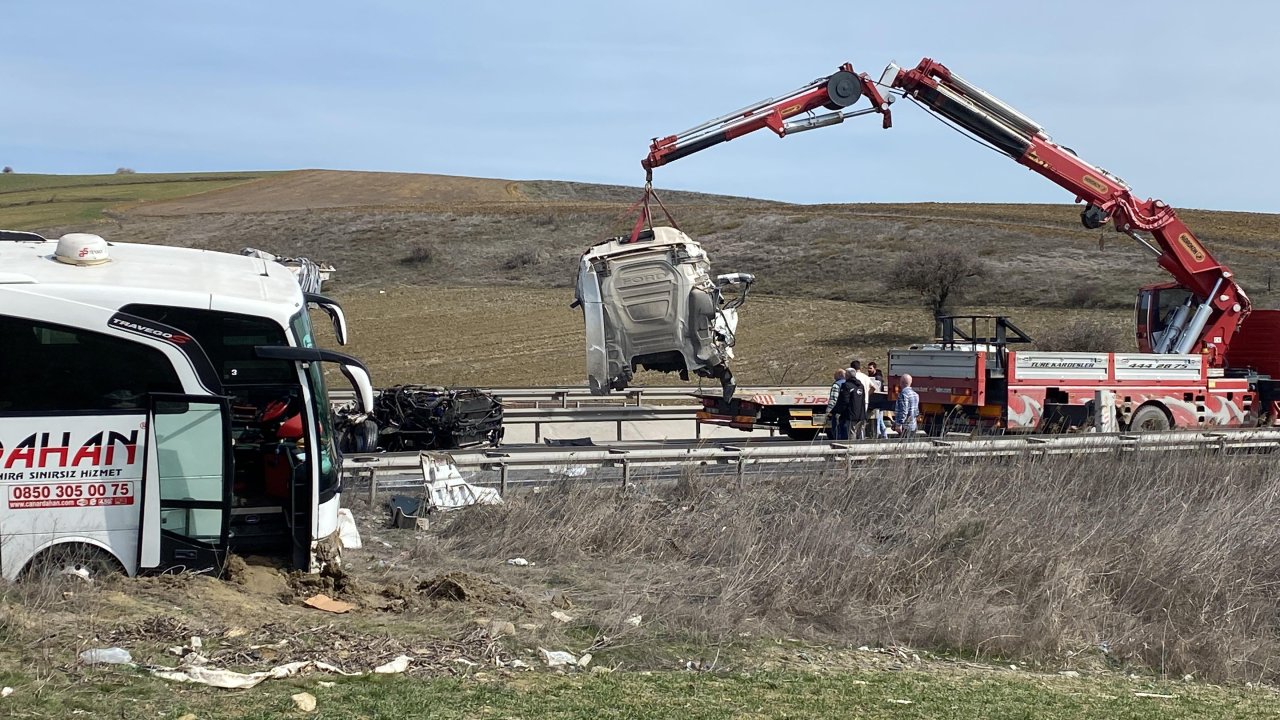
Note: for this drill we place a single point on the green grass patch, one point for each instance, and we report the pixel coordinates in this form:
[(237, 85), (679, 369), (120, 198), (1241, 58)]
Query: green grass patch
[(684, 695), (37, 201)]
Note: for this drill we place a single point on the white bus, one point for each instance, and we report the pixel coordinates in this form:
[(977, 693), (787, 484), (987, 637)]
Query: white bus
[(159, 407)]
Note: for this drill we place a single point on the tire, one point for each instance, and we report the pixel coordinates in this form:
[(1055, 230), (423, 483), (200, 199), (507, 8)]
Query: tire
[(1150, 418), (72, 561)]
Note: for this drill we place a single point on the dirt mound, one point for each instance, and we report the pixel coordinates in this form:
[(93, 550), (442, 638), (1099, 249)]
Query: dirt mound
[(257, 576), (467, 588), (327, 189)]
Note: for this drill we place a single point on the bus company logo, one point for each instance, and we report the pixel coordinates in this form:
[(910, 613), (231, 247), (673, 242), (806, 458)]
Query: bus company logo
[(1192, 247), (41, 451), (1095, 184), (139, 328)]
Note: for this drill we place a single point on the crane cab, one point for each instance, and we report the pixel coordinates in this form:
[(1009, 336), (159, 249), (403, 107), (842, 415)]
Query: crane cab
[(1159, 308)]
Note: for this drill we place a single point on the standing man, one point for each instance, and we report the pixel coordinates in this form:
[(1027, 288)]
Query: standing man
[(837, 402), (877, 387), (855, 371), (856, 415), (907, 409)]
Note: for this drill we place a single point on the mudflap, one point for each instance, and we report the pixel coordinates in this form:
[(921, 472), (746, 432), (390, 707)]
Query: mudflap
[(326, 555)]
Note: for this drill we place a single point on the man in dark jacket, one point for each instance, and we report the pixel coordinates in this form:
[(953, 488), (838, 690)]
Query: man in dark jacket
[(859, 395)]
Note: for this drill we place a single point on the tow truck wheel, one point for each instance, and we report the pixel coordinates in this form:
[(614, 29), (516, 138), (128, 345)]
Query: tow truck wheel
[(1150, 418), (72, 560)]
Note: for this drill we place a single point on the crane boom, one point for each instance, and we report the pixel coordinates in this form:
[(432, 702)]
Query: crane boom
[(834, 92), (1216, 306), (1221, 304)]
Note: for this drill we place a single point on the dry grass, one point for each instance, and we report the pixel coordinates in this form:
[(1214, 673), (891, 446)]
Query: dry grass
[(1161, 563)]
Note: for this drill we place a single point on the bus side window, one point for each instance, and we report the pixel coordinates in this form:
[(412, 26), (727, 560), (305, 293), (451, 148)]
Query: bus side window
[(46, 367)]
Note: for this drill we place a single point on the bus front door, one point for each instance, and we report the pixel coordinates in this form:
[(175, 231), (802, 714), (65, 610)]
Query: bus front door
[(186, 495)]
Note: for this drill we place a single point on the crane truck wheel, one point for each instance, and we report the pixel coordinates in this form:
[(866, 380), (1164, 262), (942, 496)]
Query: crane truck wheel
[(1150, 418)]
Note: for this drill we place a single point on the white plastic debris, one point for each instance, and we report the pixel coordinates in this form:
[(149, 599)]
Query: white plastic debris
[(326, 684), (304, 701), (348, 533), (447, 490), (106, 656), (585, 660), (197, 642), (634, 620), (519, 562), (570, 471), (394, 667), (561, 616), (231, 680), (6, 691), (558, 658)]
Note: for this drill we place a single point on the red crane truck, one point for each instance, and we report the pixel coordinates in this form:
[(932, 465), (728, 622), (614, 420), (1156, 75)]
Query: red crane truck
[(1205, 356)]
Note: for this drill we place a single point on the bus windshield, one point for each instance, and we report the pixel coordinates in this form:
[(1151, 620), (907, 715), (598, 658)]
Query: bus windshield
[(327, 453)]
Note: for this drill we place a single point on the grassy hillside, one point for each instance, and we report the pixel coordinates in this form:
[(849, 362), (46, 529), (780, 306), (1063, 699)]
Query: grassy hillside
[(29, 202), (500, 257), (387, 229)]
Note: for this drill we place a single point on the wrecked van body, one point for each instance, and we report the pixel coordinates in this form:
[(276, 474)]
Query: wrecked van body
[(653, 304)]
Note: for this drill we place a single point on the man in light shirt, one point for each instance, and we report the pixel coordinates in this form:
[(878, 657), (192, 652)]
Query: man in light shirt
[(907, 409)]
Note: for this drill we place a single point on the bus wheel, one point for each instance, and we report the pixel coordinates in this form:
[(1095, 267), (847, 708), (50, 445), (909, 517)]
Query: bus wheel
[(1150, 418), (72, 560)]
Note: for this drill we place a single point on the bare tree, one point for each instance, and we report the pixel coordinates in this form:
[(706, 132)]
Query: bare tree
[(124, 171), (938, 277), (8, 170)]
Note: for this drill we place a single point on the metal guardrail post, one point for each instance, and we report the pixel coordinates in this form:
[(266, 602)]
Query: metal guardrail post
[(502, 479), (619, 431), (373, 486), (626, 473), (742, 467)]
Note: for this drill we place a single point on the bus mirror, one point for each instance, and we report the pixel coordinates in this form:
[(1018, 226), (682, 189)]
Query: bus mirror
[(355, 370), (333, 310), (360, 381)]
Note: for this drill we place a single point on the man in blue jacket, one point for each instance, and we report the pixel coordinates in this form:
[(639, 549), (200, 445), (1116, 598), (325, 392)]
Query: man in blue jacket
[(907, 409)]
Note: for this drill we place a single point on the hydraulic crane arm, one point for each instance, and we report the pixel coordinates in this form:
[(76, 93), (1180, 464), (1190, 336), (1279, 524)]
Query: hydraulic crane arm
[(835, 92), (1221, 303)]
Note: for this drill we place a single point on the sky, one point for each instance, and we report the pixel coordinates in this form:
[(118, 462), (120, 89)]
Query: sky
[(1178, 98)]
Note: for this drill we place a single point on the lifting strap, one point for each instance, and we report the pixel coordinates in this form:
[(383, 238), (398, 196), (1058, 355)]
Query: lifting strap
[(646, 212)]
